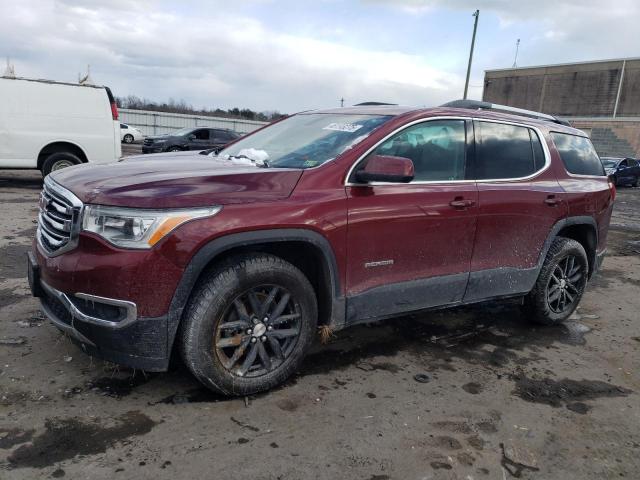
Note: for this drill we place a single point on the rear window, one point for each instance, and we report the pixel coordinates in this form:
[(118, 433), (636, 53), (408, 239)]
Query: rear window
[(577, 154), (506, 151)]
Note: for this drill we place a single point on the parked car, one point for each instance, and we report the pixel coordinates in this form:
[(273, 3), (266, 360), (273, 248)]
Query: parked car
[(623, 171), (129, 134), (189, 139), (323, 219), (49, 125)]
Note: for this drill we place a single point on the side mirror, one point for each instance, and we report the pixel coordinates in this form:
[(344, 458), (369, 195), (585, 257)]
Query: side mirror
[(386, 168), (191, 137)]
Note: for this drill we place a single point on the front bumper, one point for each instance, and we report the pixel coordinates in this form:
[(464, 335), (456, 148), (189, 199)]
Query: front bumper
[(106, 328), (152, 148)]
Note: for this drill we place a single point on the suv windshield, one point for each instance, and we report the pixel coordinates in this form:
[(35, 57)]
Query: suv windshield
[(305, 140)]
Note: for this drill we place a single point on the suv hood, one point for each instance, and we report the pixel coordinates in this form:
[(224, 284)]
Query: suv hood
[(164, 184)]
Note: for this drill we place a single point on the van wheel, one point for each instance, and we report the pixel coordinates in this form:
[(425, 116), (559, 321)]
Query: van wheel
[(249, 324), (57, 161), (128, 138), (561, 283)]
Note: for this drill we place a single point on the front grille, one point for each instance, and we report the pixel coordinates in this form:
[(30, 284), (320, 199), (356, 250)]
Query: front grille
[(58, 218), (148, 141)]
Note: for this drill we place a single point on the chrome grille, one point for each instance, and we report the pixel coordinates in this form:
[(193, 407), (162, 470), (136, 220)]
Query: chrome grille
[(58, 219)]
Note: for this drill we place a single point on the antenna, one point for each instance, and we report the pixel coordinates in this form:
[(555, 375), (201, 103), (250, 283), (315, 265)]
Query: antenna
[(515, 60), (10, 71)]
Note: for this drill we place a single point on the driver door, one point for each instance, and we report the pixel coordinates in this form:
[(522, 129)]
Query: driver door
[(410, 244)]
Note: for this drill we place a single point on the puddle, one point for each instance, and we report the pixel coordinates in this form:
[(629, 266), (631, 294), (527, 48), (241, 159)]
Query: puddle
[(570, 393), (119, 387), (492, 334), (67, 438)]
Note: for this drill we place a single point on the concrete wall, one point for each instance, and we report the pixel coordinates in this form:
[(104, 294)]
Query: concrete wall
[(571, 90), (157, 123)]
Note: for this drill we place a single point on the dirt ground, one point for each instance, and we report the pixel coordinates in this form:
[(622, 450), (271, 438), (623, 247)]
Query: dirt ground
[(470, 393)]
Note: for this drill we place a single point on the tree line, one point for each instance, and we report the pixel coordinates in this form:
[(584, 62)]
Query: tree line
[(172, 106)]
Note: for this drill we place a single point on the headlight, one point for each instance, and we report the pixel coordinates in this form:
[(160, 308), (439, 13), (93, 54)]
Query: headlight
[(138, 228)]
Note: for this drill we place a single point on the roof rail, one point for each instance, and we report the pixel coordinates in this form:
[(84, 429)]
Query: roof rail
[(479, 105)]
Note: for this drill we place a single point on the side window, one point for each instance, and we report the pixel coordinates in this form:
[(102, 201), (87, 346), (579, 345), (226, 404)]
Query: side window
[(577, 154), (123, 126), (202, 134), (624, 163), (506, 151), (437, 149)]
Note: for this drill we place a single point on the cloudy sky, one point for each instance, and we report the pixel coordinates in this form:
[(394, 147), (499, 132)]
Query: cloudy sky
[(293, 55)]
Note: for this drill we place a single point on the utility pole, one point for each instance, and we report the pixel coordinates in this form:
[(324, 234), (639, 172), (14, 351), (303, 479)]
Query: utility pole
[(342, 102), (515, 60), (473, 42)]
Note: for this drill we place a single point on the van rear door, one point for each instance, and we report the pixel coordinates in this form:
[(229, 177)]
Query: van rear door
[(117, 145)]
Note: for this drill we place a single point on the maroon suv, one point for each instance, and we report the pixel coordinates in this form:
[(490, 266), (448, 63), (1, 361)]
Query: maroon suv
[(323, 219)]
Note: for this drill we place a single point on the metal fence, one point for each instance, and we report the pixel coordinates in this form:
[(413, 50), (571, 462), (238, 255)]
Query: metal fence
[(157, 123)]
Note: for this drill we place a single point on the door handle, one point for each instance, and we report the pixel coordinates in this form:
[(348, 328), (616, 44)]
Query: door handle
[(551, 200), (461, 203)]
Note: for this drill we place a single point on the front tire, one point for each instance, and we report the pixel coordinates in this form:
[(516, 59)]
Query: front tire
[(58, 161), (561, 283), (249, 324), (128, 138)]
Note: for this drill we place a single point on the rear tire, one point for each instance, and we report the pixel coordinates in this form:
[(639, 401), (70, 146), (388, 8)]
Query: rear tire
[(174, 149), (57, 161), (248, 325), (561, 283), (128, 138)]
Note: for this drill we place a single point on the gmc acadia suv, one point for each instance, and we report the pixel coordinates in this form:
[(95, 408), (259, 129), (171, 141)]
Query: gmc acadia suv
[(322, 220)]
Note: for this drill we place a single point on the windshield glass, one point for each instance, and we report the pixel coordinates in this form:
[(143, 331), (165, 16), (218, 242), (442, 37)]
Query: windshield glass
[(182, 132), (609, 163), (304, 140)]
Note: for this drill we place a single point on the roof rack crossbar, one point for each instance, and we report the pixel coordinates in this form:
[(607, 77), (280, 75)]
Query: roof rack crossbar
[(479, 105)]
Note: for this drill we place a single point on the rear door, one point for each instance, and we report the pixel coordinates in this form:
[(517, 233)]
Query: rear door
[(519, 201), (199, 139), (409, 244)]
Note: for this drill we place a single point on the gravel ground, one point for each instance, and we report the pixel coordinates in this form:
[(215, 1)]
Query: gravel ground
[(470, 393)]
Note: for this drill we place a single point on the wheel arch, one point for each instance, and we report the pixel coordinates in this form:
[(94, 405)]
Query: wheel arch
[(61, 146), (307, 250), (582, 229)]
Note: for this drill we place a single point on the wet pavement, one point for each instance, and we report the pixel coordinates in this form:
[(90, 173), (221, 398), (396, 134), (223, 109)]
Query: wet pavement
[(469, 393)]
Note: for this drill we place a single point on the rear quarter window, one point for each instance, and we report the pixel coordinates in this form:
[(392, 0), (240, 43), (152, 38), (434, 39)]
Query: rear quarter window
[(577, 154)]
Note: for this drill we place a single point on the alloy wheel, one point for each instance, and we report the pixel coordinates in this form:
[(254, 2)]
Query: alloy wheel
[(258, 331), (60, 164), (565, 285)]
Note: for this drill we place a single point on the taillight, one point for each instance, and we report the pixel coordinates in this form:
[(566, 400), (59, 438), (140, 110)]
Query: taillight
[(612, 187), (114, 110)]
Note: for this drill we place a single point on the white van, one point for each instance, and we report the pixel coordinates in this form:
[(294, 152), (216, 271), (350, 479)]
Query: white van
[(51, 125)]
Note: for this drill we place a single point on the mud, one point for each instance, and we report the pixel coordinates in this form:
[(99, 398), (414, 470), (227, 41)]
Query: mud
[(565, 392), (70, 437), (119, 386)]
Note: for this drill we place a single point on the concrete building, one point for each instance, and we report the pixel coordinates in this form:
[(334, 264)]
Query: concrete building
[(599, 97)]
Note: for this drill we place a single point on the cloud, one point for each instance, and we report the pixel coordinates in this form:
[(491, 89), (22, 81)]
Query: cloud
[(251, 54), (234, 60)]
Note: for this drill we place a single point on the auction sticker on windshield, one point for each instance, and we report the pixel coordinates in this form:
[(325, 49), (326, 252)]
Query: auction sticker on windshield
[(343, 127)]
